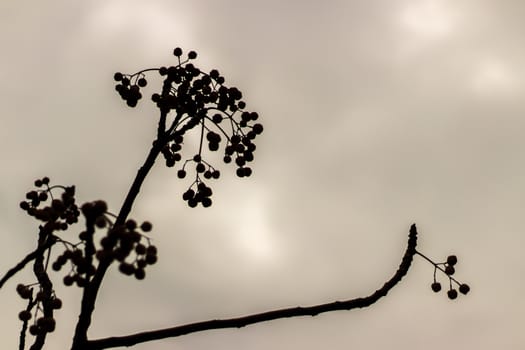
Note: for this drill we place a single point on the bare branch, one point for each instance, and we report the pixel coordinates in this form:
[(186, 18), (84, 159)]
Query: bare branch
[(238, 322), (37, 252)]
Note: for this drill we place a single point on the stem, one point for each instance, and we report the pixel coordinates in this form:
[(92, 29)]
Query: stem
[(91, 290), (436, 266)]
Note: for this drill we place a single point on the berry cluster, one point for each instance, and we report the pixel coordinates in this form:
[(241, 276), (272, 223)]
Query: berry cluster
[(448, 269), (59, 213), (131, 248), (81, 267), (201, 195), (44, 323), (129, 87), (198, 99)]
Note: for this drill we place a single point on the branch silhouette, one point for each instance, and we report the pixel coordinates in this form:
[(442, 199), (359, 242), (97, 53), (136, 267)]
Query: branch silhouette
[(31, 256), (195, 102), (239, 322)]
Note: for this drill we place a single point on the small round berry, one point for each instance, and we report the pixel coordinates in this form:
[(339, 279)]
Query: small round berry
[(464, 288), (151, 259), (146, 226), (449, 270), (140, 274), (118, 76), (68, 280), (177, 52), (192, 55), (140, 249), (245, 116), (452, 260), (258, 128), (101, 222), (200, 168), (227, 159), (240, 172), (189, 194), (142, 82), (141, 263), (56, 266), (436, 286), (206, 202), (213, 146), (151, 250), (34, 329), (45, 180), (452, 294), (131, 224), (56, 304), (216, 174), (197, 158), (38, 183), (217, 118), (126, 269), (24, 315)]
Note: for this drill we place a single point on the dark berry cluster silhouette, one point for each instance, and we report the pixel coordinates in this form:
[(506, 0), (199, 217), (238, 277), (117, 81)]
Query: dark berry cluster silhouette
[(448, 269), (195, 99), (39, 309), (60, 211), (56, 207), (189, 99)]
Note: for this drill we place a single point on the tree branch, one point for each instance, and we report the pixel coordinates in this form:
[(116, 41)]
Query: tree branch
[(238, 322), (37, 252), (91, 290)]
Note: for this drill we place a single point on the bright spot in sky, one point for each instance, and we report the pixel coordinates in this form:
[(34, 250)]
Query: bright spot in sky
[(253, 234), (428, 19), (149, 23), (493, 76)]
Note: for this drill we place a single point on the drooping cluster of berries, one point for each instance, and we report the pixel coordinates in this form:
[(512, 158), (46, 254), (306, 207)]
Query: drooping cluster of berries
[(198, 99), (448, 269), (125, 243), (43, 322), (131, 248), (129, 87), (81, 267), (59, 212)]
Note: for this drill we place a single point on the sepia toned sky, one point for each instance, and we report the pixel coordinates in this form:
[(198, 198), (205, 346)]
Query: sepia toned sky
[(377, 114)]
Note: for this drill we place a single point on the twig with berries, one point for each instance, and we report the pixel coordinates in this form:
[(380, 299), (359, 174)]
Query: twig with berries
[(197, 99), (448, 269)]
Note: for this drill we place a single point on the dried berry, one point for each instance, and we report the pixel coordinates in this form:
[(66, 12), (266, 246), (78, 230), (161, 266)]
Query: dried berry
[(436, 287), (452, 294), (24, 315), (464, 288), (452, 260)]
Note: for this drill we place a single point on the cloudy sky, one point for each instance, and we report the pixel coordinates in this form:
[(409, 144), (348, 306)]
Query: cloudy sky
[(377, 114)]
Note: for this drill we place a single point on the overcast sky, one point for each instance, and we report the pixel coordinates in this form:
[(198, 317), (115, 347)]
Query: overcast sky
[(377, 114)]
